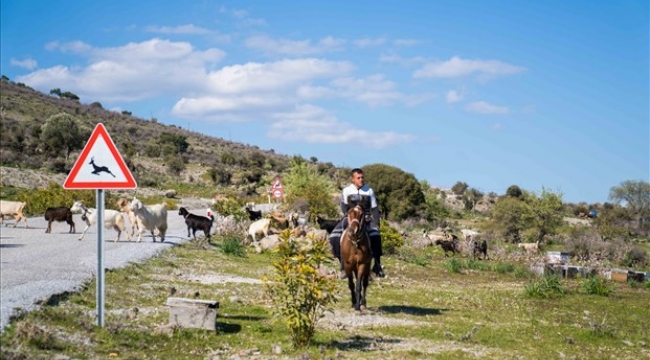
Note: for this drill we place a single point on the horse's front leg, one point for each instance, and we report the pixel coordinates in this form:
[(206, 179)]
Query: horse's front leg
[(352, 291), (365, 277), (359, 290)]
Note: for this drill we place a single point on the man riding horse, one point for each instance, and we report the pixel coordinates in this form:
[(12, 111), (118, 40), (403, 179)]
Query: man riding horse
[(360, 193)]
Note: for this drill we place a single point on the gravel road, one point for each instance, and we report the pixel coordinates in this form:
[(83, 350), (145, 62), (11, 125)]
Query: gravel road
[(35, 265)]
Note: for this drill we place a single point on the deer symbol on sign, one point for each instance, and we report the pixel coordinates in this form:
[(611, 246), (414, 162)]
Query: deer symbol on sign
[(98, 169)]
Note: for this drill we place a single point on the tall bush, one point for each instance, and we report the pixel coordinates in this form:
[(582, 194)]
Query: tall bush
[(300, 294)]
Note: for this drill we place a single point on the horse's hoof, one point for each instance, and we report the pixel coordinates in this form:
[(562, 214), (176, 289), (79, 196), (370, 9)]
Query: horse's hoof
[(363, 308)]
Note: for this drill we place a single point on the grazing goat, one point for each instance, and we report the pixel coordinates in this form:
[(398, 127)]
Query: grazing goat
[(113, 219), (531, 248), (326, 224), (59, 214), (260, 226), (448, 246), (280, 221), (479, 247), (196, 222), (124, 206), (254, 215), (150, 218), (12, 208)]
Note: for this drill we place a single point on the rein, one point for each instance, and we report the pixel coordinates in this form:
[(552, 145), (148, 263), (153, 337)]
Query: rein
[(357, 235)]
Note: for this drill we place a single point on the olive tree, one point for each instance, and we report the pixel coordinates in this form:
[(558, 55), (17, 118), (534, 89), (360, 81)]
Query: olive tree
[(399, 193), (62, 132), (636, 196), (529, 216)]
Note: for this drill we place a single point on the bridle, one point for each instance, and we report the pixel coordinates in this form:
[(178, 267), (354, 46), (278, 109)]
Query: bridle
[(357, 235)]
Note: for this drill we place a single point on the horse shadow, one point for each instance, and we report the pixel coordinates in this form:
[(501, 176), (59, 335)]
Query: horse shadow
[(411, 310), (230, 328), (362, 343)]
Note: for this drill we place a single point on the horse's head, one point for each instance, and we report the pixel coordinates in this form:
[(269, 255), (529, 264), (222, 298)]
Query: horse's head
[(356, 221)]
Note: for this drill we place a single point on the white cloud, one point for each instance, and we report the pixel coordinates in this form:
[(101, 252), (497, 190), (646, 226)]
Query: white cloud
[(368, 42), (457, 67), (28, 63), (394, 58), (182, 29), (483, 107), (243, 17), (130, 72), (274, 75), (77, 47), (453, 96), (406, 42), (312, 124), (373, 90), (293, 47)]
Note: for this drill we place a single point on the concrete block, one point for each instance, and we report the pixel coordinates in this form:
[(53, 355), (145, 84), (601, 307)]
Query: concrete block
[(191, 313)]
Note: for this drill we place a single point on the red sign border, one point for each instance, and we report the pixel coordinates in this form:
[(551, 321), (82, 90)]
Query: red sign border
[(70, 182)]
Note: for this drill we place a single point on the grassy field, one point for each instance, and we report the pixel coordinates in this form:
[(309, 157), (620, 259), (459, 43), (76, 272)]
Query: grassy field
[(428, 307)]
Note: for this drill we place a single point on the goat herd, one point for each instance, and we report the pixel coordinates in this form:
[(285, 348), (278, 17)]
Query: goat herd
[(262, 230)]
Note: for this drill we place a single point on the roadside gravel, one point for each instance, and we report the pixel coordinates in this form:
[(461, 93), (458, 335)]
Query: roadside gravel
[(35, 266)]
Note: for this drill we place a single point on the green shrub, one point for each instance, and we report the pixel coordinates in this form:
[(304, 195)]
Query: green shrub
[(453, 265), (545, 288), (597, 286), (231, 207), (391, 239), (38, 200), (503, 268), (300, 294), (420, 258), (231, 245), (476, 265), (647, 284)]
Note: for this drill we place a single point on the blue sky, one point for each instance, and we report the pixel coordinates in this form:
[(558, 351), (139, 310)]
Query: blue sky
[(541, 94)]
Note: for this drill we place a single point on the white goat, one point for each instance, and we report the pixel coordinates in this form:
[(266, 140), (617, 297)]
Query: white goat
[(112, 219), (150, 218), (260, 226), (124, 205), (12, 208), (531, 248)]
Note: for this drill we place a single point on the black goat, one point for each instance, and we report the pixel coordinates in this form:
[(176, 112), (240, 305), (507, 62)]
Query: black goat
[(325, 224), (479, 247), (254, 215), (59, 214), (448, 246), (196, 222)]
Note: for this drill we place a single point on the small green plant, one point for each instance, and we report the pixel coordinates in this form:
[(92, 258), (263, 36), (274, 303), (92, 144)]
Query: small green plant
[(299, 292), (647, 284), (598, 328), (391, 240), (597, 286), (419, 258), (547, 287), (635, 284), (504, 268), (453, 265), (476, 265), (231, 245)]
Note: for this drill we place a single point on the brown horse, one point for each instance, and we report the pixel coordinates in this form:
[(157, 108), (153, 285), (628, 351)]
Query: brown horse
[(356, 257)]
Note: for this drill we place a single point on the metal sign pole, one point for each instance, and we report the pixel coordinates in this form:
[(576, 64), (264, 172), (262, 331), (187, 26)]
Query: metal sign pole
[(100, 257)]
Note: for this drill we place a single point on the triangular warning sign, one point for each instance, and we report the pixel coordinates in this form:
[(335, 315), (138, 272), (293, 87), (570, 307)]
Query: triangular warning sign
[(277, 184), (100, 165)]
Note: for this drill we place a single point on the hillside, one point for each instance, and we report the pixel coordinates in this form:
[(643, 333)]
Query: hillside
[(144, 144)]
